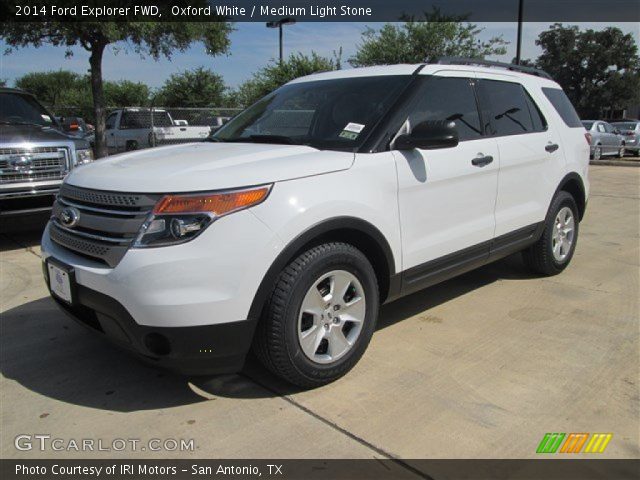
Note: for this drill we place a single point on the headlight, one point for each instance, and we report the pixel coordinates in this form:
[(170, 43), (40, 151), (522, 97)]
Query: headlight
[(179, 218), (84, 156)]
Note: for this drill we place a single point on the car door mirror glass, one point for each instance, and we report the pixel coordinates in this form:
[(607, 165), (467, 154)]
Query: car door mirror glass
[(429, 135)]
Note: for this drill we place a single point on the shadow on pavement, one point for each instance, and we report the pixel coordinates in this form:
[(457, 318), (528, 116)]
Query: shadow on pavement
[(22, 232), (44, 351)]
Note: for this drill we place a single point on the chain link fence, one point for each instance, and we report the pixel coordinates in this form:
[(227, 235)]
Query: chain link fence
[(134, 128)]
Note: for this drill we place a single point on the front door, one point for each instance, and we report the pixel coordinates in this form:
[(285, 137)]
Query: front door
[(447, 196)]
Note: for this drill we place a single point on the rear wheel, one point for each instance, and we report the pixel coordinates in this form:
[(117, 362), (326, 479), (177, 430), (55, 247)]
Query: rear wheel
[(320, 317), (597, 152), (552, 253), (621, 152)]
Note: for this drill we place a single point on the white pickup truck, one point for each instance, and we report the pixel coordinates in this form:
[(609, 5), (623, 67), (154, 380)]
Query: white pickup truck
[(135, 128)]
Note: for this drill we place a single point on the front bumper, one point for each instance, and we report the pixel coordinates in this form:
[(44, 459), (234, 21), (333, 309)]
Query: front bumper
[(20, 201), (184, 307), (195, 350)]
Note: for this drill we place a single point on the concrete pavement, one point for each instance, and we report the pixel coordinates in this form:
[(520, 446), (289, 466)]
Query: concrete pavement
[(481, 366)]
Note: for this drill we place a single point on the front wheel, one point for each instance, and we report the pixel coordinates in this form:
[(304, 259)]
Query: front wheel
[(320, 317), (552, 253)]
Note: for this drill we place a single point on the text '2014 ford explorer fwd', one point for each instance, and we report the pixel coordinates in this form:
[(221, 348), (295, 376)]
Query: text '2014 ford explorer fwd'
[(333, 194)]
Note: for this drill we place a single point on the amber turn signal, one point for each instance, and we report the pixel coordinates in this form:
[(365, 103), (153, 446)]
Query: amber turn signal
[(217, 204)]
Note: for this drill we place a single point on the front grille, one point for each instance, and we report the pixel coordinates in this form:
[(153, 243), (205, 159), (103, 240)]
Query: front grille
[(33, 164), (107, 225)]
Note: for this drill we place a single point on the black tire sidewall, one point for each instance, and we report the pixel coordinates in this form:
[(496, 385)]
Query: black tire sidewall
[(335, 260), (563, 199)]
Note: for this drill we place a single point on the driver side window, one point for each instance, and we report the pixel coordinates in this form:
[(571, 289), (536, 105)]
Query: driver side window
[(451, 100)]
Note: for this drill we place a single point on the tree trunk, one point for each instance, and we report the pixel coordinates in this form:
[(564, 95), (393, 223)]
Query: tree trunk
[(95, 60)]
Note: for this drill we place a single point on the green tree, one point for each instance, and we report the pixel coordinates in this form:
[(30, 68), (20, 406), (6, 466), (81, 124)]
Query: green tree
[(195, 88), (126, 93), (155, 39), (276, 74), (414, 41), (62, 88), (597, 69), (53, 88)]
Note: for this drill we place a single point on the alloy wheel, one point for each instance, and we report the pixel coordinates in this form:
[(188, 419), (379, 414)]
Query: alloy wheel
[(331, 316), (563, 234)]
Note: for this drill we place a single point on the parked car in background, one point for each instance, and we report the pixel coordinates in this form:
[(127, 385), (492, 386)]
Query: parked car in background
[(77, 127), (605, 139), (35, 154), (214, 122), (630, 131), (134, 128)]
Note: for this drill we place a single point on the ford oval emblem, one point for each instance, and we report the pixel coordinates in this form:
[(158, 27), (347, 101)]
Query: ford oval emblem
[(20, 163), (69, 217)]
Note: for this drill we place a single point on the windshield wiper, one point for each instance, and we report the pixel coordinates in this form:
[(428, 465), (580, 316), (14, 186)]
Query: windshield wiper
[(266, 139)]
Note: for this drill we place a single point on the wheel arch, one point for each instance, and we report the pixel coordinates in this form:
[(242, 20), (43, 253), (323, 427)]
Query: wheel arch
[(572, 183), (355, 231)]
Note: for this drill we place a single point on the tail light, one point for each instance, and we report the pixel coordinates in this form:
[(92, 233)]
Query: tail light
[(588, 137), (628, 133)]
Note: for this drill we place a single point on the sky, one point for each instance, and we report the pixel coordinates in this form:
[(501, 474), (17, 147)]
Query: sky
[(252, 46)]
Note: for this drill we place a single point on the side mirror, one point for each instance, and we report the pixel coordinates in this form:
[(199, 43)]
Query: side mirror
[(429, 135)]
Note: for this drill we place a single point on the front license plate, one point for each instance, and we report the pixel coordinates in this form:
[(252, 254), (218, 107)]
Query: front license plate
[(60, 282)]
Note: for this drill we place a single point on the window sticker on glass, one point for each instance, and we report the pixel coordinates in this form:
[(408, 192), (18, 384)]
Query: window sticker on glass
[(351, 130)]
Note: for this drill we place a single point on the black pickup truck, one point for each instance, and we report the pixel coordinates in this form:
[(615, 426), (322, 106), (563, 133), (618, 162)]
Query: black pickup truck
[(35, 154)]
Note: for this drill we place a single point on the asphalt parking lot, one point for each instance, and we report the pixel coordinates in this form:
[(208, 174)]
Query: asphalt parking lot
[(481, 366)]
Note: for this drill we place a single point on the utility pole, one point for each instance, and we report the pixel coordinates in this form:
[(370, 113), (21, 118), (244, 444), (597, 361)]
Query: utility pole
[(519, 41), (278, 24)]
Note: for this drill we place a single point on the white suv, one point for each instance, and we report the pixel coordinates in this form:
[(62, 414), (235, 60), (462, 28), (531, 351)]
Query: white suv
[(335, 193)]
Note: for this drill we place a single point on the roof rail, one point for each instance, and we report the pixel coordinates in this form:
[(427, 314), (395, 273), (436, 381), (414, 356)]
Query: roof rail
[(488, 63)]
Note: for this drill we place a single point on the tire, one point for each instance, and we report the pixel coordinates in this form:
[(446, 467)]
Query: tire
[(540, 257), (131, 145), (621, 152), (597, 152), (279, 336)]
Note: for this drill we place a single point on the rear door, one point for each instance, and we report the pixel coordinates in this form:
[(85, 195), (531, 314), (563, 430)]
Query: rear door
[(531, 153), (446, 196)]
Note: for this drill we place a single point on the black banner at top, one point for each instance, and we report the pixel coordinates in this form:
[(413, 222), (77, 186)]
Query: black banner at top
[(608, 11)]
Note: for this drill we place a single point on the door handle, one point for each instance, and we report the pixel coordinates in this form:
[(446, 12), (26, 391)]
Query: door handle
[(482, 161), (552, 147)]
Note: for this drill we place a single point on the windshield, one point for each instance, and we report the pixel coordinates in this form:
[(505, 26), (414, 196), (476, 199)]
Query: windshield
[(587, 125), (23, 109), (625, 125), (333, 114)]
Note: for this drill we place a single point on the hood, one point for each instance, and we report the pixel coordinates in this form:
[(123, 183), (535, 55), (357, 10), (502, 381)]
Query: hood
[(206, 166), (35, 134)]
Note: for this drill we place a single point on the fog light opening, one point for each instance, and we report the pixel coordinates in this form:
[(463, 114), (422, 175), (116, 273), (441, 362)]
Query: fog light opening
[(157, 344)]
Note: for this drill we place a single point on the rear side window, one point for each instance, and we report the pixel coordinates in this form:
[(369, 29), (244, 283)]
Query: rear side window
[(510, 109), (448, 99), (563, 106)]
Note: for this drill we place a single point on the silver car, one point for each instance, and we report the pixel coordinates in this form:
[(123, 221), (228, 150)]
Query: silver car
[(605, 139), (630, 131)]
